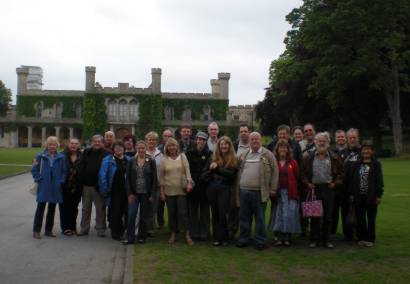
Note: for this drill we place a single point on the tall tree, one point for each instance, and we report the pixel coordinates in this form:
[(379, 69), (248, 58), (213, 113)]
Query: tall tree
[(353, 56), (5, 99)]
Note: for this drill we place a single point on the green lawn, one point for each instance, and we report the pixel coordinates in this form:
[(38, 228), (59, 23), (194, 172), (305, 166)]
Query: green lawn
[(387, 262), (11, 156)]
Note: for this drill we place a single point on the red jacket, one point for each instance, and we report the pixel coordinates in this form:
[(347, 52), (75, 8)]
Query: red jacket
[(293, 179)]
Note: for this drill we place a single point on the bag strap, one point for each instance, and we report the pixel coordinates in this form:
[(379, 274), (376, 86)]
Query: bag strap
[(41, 164), (311, 196)]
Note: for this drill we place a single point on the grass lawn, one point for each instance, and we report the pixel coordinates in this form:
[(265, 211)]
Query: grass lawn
[(387, 262), (11, 156)]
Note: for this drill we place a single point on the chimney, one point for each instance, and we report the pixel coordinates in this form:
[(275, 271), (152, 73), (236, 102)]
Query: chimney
[(156, 80), (89, 78), (22, 73)]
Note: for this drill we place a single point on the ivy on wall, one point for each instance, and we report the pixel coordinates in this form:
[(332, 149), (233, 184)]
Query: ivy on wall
[(94, 115), (218, 107), (26, 104)]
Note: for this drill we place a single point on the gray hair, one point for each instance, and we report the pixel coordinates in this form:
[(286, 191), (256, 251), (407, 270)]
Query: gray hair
[(353, 130), (324, 134), (97, 136)]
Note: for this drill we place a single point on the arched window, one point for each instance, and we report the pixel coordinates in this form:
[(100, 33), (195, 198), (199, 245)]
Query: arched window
[(133, 109), (112, 108), (39, 109), (123, 109)]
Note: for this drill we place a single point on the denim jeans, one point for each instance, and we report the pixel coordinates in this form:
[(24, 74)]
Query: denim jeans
[(251, 206), (141, 202)]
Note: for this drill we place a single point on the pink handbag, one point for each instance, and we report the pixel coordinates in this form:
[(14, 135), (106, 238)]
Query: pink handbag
[(312, 208)]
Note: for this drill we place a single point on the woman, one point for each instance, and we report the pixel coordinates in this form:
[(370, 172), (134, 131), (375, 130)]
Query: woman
[(49, 171), (298, 137), (221, 170), (175, 182), (284, 219), (141, 184), (71, 189), (111, 182), (151, 138), (366, 189)]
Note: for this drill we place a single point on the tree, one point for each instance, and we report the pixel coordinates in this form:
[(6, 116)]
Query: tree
[(350, 55), (5, 99)]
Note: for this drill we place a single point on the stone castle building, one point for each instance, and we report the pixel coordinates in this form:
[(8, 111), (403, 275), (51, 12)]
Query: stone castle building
[(123, 109)]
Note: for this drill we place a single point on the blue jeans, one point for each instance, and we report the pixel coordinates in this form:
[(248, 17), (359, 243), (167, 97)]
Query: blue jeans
[(141, 202), (251, 206)]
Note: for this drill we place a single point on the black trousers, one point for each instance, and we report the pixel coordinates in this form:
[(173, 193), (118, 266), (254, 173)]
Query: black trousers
[(69, 209), (160, 213), (366, 219), (219, 197), (348, 229), (320, 227), (177, 213), (117, 212), (38, 217), (198, 211)]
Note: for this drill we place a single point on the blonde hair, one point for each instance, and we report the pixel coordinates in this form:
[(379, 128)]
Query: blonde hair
[(171, 141), (152, 134), (51, 139), (229, 160)]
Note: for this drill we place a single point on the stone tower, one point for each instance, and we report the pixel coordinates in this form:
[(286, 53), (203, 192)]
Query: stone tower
[(89, 78), (156, 80), (22, 74), (223, 79)]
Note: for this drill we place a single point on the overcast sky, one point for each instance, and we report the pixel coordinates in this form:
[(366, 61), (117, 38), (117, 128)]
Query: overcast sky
[(190, 40)]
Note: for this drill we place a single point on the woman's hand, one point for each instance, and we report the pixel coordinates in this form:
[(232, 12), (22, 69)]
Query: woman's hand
[(189, 187), (131, 199), (213, 166)]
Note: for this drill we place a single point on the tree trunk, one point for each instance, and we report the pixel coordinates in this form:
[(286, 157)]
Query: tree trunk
[(393, 101)]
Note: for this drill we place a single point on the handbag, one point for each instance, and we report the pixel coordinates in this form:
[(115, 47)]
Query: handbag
[(34, 187), (312, 208)]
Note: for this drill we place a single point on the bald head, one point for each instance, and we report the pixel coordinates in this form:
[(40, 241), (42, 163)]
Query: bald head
[(255, 141)]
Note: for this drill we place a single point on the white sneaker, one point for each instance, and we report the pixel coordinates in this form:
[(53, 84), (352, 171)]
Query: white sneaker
[(369, 244), (361, 243)]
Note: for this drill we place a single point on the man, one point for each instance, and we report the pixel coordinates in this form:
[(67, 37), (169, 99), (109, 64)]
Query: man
[(242, 144), (340, 149), (322, 172), (89, 169), (129, 145), (257, 180), (309, 132), (283, 133), (166, 134), (109, 138), (213, 131), (198, 205), (352, 156), (186, 143)]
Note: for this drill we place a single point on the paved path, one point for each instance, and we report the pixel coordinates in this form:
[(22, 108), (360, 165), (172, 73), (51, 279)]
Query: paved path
[(63, 259)]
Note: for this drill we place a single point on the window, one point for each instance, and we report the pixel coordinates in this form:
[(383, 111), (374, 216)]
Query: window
[(133, 109), (123, 109), (236, 117), (112, 109)]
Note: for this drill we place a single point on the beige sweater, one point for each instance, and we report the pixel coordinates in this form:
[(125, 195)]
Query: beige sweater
[(170, 173)]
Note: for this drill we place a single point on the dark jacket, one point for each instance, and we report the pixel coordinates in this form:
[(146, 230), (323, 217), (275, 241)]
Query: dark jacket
[(90, 166), (150, 174), (296, 150), (336, 168), (190, 146), (72, 181), (222, 176), (376, 184), (197, 161)]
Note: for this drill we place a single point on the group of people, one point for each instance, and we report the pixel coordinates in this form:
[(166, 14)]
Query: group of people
[(212, 184)]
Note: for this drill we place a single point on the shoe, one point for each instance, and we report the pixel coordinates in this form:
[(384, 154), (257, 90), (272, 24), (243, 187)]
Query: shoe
[(368, 244), (329, 245), (189, 241), (172, 239), (260, 246), (286, 243), (36, 235), (241, 245), (313, 245), (216, 244), (278, 243), (126, 242), (50, 234), (361, 243), (141, 241), (68, 233), (81, 234)]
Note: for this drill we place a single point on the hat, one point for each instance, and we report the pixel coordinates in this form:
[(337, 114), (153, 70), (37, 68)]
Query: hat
[(367, 143), (202, 135)]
